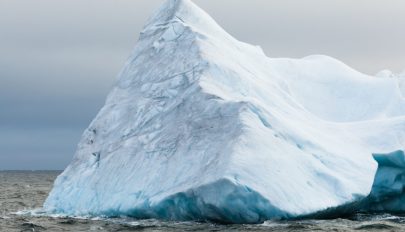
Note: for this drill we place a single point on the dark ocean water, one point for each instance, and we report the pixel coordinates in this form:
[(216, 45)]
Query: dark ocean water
[(22, 192)]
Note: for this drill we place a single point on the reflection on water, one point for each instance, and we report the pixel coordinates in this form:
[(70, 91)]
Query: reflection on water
[(23, 191)]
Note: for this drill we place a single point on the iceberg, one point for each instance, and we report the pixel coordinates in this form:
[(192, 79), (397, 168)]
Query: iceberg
[(201, 126)]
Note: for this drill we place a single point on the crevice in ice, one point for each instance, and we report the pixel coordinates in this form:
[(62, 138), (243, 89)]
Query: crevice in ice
[(257, 111), (97, 157)]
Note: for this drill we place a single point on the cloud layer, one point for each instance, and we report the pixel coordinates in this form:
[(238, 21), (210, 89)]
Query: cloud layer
[(58, 59)]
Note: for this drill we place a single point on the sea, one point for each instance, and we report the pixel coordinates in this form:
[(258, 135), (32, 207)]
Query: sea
[(22, 194)]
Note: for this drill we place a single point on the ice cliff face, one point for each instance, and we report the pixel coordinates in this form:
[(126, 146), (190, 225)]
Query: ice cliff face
[(388, 192), (200, 126)]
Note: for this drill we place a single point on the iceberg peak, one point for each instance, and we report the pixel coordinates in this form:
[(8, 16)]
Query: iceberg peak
[(186, 13), (171, 9)]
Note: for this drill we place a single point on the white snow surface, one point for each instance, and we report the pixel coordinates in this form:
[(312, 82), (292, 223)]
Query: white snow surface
[(200, 126)]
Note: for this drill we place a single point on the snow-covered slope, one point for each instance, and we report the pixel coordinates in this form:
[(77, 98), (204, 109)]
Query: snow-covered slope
[(400, 78), (200, 126)]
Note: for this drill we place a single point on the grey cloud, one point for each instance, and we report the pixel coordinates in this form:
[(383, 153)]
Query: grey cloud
[(58, 59)]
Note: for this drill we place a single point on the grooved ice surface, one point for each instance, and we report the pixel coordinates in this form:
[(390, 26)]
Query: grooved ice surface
[(200, 126)]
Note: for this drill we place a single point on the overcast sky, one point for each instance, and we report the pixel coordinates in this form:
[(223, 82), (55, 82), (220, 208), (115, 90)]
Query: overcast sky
[(59, 58)]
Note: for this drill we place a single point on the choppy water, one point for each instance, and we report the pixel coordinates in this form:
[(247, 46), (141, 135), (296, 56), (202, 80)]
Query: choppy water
[(24, 191)]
